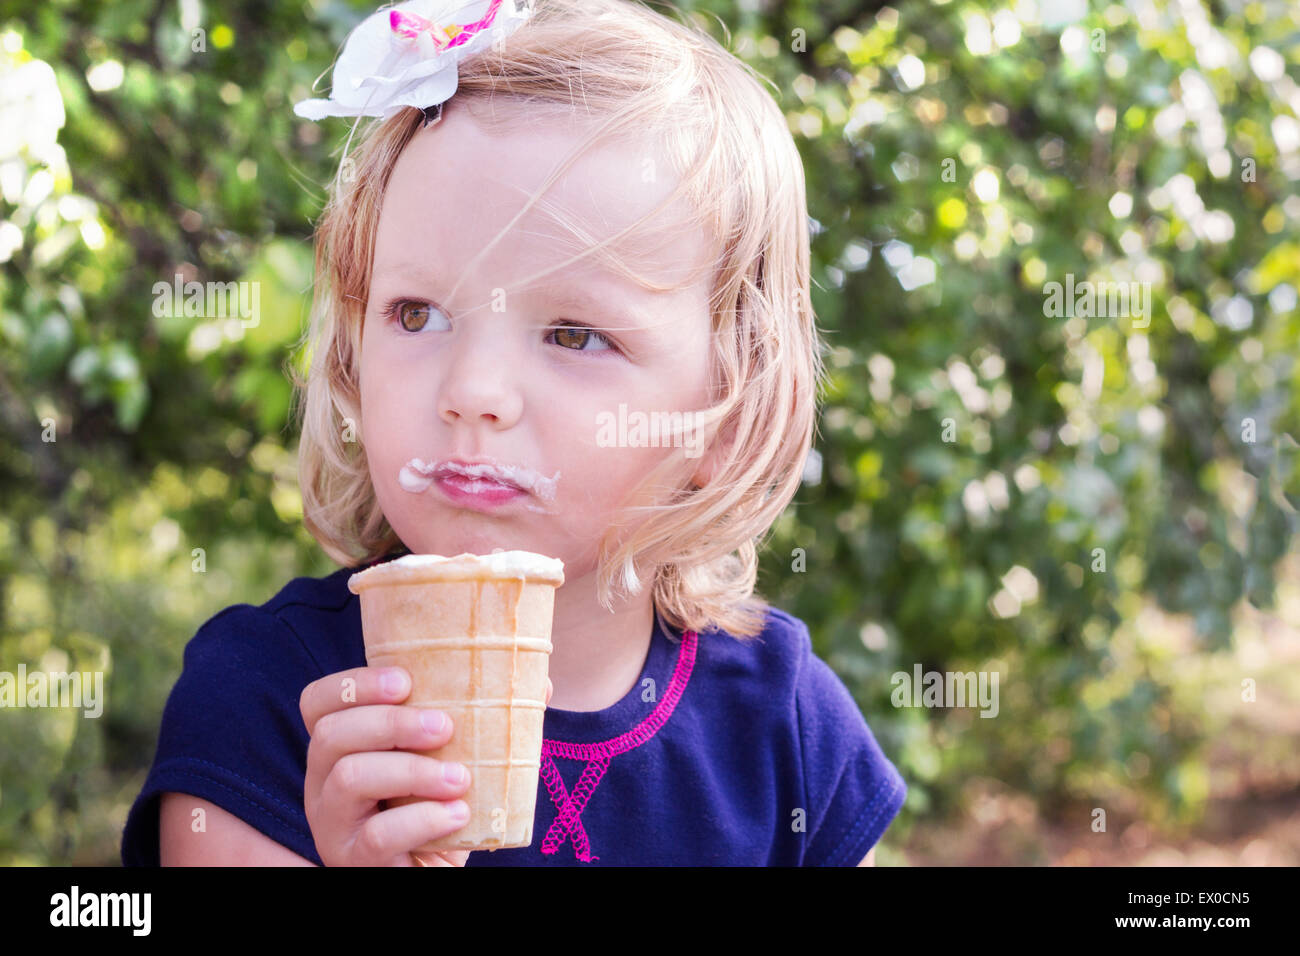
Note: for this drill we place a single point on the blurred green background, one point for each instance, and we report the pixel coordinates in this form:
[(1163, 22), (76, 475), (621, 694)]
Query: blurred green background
[(1100, 509)]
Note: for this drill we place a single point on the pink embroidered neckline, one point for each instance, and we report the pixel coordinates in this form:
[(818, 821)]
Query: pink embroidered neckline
[(568, 821)]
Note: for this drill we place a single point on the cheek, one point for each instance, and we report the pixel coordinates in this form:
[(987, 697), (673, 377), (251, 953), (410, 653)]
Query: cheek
[(614, 475), (386, 448), (385, 402)]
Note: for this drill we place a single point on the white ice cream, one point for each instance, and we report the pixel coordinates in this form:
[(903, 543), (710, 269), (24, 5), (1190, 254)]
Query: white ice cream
[(505, 563), (526, 565)]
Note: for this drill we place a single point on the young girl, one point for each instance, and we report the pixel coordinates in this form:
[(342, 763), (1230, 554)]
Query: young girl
[(563, 308)]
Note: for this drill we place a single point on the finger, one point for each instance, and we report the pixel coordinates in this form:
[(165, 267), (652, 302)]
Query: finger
[(550, 689), (374, 727), (360, 780), (392, 834), (352, 688)]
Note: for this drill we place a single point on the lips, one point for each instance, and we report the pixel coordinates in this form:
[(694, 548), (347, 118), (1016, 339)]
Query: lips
[(481, 473), (474, 485), (484, 480), (479, 494)]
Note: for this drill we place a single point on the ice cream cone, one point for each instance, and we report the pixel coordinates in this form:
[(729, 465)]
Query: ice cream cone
[(474, 632)]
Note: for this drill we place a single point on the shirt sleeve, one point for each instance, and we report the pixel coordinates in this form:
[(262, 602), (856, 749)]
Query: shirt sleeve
[(232, 733), (852, 789)]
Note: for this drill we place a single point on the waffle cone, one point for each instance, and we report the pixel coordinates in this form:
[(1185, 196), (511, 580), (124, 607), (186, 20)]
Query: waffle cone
[(474, 632)]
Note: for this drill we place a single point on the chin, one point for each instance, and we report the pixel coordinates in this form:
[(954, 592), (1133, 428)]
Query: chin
[(477, 544)]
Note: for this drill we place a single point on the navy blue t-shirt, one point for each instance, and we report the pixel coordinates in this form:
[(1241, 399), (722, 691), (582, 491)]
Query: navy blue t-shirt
[(724, 752)]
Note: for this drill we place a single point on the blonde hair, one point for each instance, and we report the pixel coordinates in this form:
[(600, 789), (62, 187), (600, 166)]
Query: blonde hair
[(637, 71)]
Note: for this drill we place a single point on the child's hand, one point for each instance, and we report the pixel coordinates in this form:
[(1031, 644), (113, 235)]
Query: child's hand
[(355, 759)]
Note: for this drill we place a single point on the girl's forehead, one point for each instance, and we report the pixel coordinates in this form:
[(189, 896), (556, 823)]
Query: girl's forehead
[(460, 191), (461, 165)]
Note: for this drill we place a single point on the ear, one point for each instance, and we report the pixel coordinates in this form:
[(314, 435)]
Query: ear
[(710, 463)]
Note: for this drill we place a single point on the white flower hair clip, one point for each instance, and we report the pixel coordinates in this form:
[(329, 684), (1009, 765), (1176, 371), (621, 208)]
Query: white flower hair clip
[(407, 55)]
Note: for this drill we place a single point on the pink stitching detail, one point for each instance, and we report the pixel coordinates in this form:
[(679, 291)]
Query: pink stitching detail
[(568, 821), (570, 816)]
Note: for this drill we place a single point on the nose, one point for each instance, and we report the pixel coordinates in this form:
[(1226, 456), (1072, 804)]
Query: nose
[(480, 386)]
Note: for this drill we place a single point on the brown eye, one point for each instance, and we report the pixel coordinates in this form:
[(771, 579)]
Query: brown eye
[(577, 339), (412, 316), (571, 338)]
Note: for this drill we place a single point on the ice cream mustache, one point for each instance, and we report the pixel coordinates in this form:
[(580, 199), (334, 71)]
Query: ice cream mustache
[(417, 475)]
